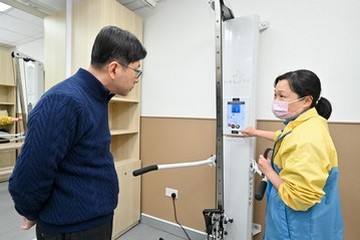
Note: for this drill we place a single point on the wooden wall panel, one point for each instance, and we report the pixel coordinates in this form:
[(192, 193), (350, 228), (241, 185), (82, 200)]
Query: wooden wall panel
[(346, 137), (54, 49), (173, 140), (166, 141)]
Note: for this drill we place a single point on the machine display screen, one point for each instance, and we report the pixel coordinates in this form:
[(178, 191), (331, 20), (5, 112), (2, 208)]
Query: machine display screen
[(235, 117)]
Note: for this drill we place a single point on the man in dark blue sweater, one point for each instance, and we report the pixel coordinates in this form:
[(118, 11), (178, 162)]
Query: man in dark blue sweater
[(64, 180)]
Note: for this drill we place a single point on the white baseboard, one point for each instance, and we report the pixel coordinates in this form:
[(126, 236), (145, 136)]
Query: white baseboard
[(171, 227)]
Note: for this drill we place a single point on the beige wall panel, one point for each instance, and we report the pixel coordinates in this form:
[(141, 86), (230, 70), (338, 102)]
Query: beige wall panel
[(171, 140), (85, 24), (346, 137), (7, 76), (89, 16), (54, 50)]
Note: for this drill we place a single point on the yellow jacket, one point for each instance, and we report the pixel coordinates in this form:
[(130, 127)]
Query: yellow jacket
[(5, 120), (306, 206), (306, 158)]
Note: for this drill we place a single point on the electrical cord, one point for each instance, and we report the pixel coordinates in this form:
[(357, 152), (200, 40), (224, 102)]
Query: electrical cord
[(173, 196)]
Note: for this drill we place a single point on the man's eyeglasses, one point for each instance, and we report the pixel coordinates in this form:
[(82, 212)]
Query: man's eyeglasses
[(137, 72)]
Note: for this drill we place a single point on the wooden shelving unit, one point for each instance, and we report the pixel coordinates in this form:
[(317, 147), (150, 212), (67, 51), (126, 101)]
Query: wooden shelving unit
[(124, 123), (7, 103), (88, 17)]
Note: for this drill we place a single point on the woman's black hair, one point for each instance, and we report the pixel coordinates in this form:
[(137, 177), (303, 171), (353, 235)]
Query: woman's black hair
[(306, 83), (113, 43)]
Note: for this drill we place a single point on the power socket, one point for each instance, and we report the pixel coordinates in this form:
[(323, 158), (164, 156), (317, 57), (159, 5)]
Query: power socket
[(169, 191)]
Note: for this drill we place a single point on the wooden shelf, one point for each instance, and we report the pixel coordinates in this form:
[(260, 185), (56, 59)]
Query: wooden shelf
[(124, 115), (10, 146), (7, 85), (125, 147), (7, 103), (122, 132), (118, 99), (6, 170)]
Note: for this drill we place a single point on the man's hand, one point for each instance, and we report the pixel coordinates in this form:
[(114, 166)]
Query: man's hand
[(27, 224)]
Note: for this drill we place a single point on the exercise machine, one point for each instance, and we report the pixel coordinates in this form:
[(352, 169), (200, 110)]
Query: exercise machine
[(29, 82), (236, 41)]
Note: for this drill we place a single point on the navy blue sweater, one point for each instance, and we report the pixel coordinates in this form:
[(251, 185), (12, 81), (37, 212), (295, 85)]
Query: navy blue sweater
[(64, 176)]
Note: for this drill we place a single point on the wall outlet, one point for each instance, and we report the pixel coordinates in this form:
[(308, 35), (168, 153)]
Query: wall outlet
[(169, 191)]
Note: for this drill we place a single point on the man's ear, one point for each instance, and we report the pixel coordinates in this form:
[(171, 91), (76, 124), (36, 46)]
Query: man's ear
[(112, 68)]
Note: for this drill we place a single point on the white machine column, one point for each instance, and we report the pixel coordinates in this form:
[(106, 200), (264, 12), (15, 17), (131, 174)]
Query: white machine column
[(240, 43)]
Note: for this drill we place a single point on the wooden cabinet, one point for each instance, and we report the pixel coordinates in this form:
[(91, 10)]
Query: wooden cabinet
[(8, 105), (127, 212), (124, 115), (88, 17)]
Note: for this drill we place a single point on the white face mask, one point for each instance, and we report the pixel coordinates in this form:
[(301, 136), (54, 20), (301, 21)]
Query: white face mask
[(281, 108)]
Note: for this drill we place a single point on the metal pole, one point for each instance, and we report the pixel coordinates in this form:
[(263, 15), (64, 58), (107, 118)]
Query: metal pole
[(68, 29), (20, 90), (219, 106)]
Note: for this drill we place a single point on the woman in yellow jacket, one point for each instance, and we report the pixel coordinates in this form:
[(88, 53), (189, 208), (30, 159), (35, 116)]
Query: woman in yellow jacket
[(302, 195)]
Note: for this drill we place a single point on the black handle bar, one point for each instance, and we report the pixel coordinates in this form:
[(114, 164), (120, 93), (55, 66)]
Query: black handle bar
[(145, 170), (263, 184)]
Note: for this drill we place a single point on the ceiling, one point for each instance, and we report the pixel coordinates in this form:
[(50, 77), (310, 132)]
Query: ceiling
[(24, 23)]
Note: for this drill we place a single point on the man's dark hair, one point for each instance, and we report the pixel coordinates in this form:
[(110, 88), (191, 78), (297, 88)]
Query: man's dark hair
[(113, 43)]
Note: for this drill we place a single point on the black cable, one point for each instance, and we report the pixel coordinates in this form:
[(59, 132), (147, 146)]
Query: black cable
[(173, 196)]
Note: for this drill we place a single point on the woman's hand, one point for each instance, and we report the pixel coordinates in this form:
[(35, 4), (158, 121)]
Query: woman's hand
[(253, 132), (264, 165), (27, 224), (266, 168), (15, 119), (249, 132)]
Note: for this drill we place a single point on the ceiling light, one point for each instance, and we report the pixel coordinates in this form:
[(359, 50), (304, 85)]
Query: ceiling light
[(4, 7), (150, 3)]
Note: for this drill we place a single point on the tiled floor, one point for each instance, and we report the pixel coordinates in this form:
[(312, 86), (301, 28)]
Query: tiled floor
[(10, 222), (144, 232)]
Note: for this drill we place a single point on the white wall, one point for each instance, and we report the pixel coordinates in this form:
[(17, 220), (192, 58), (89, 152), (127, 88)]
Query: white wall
[(179, 72), (34, 49)]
